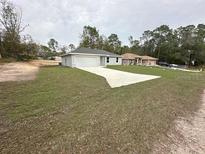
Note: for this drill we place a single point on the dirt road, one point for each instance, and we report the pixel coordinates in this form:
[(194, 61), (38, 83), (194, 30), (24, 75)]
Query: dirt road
[(17, 71), (188, 137)]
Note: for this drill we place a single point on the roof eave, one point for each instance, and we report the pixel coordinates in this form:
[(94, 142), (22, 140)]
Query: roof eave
[(92, 55)]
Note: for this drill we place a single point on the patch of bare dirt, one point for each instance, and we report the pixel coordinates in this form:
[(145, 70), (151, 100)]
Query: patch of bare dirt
[(188, 136), (45, 62), (17, 71)]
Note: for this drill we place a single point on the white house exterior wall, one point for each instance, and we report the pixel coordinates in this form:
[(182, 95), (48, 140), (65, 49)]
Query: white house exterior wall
[(67, 61), (89, 61), (113, 61)]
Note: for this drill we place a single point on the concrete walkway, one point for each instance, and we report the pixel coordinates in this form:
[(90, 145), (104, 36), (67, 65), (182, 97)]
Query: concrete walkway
[(117, 78)]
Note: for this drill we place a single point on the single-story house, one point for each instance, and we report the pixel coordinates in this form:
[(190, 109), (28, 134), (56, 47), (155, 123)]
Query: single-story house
[(134, 59), (150, 61), (130, 59), (86, 57)]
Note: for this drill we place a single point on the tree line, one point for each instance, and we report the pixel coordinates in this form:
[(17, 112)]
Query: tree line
[(22, 47), (183, 45), (12, 44)]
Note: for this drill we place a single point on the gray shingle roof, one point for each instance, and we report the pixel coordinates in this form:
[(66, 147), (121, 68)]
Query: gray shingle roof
[(92, 51)]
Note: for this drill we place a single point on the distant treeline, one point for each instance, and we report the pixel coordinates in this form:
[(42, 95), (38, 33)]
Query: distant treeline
[(184, 45)]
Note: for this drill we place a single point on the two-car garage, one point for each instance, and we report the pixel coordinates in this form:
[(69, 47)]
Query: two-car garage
[(86, 61), (81, 61), (86, 57)]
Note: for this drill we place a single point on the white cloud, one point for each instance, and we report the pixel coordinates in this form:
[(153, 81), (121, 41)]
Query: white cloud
[(64, 19)]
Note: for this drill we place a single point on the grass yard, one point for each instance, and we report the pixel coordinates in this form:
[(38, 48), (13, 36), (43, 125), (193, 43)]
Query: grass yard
[(71, 111)]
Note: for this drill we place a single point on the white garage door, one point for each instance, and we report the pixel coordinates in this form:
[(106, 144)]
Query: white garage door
[(86, 61)]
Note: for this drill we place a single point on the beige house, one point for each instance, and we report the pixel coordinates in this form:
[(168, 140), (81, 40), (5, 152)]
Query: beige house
[(130, 59), (134, 59)]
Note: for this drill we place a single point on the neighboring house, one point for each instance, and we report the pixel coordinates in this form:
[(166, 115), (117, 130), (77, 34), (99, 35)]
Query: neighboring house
[(150, 61), (57, 58), (134, 59), (86, 57), (130, 59)]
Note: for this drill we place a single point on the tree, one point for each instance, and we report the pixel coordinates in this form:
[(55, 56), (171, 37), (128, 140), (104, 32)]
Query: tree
[(1, 44), (181, 46), (187, 42), (100, 42), (44, 52), (200, 44), (29, 48), (160, 35), (125, 49), (114, 43), (64, 49), (105, 44), (11, 21), (53, 44), (147, 40), (170, 45), (45, 48), (162, 43), (134, 45), (71, 47), (90, 37)]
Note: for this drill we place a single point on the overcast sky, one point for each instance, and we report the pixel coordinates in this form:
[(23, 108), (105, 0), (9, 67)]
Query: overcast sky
[(64, 19)]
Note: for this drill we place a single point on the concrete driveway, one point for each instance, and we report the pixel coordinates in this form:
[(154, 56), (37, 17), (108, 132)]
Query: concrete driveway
[(117, 78)]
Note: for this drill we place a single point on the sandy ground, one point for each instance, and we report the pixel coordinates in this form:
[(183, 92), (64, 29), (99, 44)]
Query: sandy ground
[(188, 137), (45, 62), (117, 78), (17, 71), (186, 70)]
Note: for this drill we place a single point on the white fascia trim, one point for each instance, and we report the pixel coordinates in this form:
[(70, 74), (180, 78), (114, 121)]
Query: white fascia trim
[(93, 55)]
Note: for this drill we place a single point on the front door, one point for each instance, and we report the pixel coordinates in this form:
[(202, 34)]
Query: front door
[(102, 61)]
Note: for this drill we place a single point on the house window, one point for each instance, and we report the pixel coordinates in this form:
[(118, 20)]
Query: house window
[(108, 59), (117, 59)]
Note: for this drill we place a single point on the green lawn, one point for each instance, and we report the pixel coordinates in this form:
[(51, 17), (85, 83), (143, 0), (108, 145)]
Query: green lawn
[(71, 111)]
